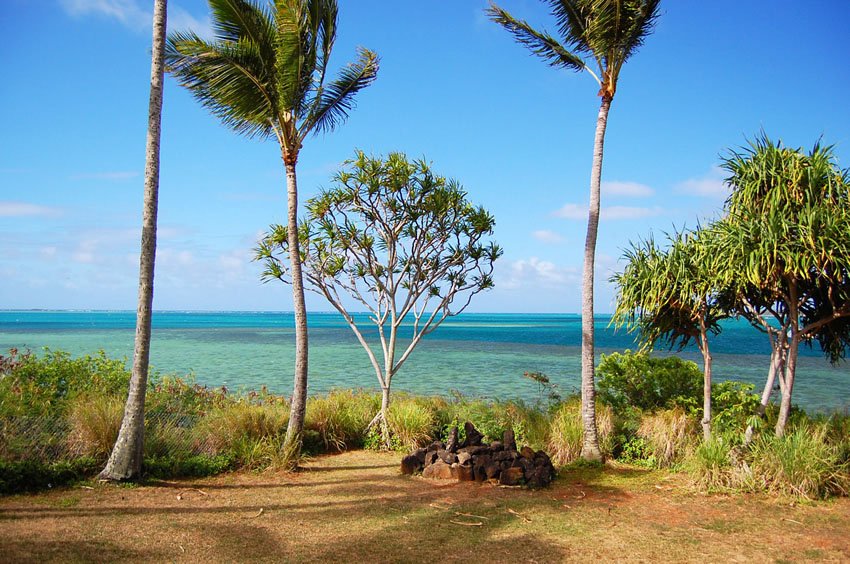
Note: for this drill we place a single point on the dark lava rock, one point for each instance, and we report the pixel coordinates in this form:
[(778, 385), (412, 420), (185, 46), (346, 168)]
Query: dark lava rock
[(511, 477), (439, 470), (509, 440), (411, 464), (451, 444)]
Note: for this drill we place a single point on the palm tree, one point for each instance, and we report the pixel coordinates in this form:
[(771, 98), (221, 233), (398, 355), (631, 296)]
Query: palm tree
[(125, 461), (264, 75), (608, 32)]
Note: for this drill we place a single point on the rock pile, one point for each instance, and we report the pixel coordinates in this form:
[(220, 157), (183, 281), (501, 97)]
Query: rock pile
[(472, 460)]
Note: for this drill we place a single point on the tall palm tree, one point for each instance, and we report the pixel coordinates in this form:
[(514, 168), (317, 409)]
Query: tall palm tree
[(125, 461), (601, 34), (264, 76)]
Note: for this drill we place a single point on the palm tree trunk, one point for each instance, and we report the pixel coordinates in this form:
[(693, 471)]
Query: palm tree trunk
[(590, 447), (125, 461), (298, 408)]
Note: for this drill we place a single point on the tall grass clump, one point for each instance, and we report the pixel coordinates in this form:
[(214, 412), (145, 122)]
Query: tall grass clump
[(411, 424), (94, 421), (669, 434), (566, 433), (252, 433), (806, 462), (339, 420), (711, 465)]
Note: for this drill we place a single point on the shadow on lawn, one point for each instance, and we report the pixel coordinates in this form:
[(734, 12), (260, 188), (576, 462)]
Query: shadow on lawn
[(361, 513)]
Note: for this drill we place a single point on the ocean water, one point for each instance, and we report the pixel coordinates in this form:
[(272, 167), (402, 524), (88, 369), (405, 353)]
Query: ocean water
[(475, 354)]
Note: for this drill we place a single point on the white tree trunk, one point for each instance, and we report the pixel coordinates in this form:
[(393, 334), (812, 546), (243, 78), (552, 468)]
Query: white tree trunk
[(590, 448), (125, 461), (706, 385), (298, 408), (790, 369)]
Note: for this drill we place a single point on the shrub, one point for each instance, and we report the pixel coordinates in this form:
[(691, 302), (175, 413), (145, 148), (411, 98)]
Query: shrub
[(30, 475), (639, 380), (669, 435), (733, 406), (566, 432)]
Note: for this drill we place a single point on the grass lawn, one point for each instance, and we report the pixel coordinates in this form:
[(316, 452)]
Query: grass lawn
[(357, 507)]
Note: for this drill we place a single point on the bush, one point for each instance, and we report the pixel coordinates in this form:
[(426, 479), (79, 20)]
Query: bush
[(566, 433), (30, 475), (639, 380), (733, 406)]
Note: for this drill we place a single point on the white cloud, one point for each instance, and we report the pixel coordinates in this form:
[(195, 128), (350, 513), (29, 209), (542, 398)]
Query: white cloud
[(533, 272), (579, 212), (630, 189), (712, 185), (127, 12), (546, 236), (133, 16), (23, 209)]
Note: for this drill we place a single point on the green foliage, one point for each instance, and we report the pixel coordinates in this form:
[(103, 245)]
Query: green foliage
[(645, 382), (637, 451), (193, 466), (32, 385), (734, 406), (31, 475)]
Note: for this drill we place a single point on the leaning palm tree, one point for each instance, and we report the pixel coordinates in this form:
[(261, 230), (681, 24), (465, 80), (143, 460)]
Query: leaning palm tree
[(601, 34), (264, 76), (125, 461)]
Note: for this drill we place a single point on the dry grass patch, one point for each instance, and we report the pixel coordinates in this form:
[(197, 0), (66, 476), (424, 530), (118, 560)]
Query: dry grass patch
[(357, 507)]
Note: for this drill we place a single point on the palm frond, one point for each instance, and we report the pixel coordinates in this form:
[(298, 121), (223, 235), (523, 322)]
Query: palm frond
[(334, 101), (227, 78), (540, 43)]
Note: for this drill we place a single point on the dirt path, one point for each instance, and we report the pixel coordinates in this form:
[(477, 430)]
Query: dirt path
[(357, 507)]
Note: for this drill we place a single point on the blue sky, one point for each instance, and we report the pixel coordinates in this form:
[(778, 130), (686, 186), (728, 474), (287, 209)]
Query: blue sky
[(453, 88)]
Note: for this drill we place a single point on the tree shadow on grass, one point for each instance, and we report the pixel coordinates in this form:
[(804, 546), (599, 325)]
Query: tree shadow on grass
[(359, 513)]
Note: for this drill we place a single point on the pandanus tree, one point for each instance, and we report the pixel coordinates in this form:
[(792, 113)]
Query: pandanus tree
[(125, 460), (597, 36), (670, 296), (398, 240), (786, 251), (265, 74)]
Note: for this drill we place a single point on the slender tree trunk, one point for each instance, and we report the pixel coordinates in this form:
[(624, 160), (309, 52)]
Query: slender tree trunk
[(790, 370), (777, 364), (125, 461), (590, 448), (295, 428), (385, 412), (706, 385)]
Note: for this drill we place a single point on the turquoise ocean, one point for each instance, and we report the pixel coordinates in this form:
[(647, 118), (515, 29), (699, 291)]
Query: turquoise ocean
[(475, 354)]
